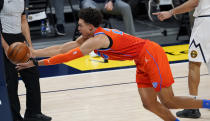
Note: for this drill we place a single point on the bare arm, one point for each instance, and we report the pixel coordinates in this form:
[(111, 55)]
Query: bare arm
[(185, 7), (97, 42), (25, 29), (100, 41), (58, 49), (4, 45)]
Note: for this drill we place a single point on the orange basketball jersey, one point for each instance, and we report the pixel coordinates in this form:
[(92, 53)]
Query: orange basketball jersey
[(153, 68), (122, 46)]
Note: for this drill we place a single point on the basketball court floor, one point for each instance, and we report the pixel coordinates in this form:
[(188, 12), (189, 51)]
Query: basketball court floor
[(87, 89)]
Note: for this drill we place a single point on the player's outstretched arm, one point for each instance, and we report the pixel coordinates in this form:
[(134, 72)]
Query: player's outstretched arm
[(88, 46), (58, 49), (185, 7), (100, 41), (57, 59)]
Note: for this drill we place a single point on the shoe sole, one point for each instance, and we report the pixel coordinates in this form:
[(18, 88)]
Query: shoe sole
[(192, 116), (188, 117)]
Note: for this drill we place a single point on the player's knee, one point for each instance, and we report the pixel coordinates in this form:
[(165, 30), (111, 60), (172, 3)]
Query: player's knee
[(148, 106)]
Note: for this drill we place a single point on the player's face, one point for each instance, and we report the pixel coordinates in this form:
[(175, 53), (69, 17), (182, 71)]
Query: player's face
[(84, 28)]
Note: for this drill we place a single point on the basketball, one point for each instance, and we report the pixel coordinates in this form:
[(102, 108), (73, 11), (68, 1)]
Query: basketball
[(18, 52)]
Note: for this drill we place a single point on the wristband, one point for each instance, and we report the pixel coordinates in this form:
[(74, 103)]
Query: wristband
[(65, 57), (35, 62)]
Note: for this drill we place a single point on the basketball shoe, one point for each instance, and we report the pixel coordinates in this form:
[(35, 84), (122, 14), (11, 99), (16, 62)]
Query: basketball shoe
[(189, 113)]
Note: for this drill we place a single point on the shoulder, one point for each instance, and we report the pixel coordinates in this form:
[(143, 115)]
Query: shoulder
[(97, 42), (100, 38)]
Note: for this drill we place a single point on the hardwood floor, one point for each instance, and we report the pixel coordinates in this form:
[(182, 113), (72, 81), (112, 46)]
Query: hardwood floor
[(107, 95)]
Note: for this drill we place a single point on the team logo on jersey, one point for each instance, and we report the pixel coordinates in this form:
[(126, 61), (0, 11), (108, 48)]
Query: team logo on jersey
[(194, 54), (155, 84), (146, 60)]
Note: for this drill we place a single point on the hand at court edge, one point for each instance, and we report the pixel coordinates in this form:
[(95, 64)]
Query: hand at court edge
[(163, 15), (21, 66)]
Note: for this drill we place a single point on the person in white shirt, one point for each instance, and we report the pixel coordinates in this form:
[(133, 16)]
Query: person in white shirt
[(199, 46), (15, 29)]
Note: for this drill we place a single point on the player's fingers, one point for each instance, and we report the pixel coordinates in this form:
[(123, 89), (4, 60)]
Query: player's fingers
[(19, 67), (158, 13), (20, 64), (161, 19)]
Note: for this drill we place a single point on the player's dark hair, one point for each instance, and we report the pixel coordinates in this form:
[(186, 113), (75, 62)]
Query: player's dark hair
[(91, 16)]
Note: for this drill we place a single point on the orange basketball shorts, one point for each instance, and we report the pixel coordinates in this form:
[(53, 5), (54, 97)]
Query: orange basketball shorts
[(152, 68)]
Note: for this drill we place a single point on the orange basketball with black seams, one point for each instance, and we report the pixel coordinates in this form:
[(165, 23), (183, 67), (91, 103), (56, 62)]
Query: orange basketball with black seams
[(18, 52)]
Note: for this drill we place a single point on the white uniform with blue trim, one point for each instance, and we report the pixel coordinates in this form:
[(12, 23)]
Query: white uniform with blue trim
[(199, 46)]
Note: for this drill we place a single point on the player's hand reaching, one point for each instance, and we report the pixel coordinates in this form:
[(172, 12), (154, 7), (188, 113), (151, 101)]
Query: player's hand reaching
[(163, 15), (22, 66)]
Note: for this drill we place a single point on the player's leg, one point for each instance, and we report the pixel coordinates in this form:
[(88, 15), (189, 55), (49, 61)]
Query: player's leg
[(149, 80), (124, 9), (167, 98), (161, 77), (88, 3), (194, 77), (149, 100), (198, 51), (193, 83), (147, 89)]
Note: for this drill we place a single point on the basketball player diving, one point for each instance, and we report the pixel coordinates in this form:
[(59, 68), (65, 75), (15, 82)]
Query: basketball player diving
[(153, 74)]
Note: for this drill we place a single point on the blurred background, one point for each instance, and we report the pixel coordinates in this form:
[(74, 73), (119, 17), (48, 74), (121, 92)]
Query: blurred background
[(47, 30)]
